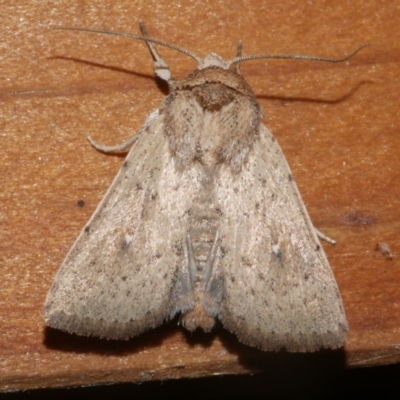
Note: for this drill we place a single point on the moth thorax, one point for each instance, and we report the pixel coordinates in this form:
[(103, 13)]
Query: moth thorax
[(213, 96)]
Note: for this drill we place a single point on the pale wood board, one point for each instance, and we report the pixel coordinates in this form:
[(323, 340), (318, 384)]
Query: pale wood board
[(338, 125)]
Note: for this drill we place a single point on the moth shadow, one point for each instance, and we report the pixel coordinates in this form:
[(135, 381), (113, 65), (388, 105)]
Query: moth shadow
[(55, 339), (162, 85), (298, 366), (276, 363), (200, 338), (281, 101)]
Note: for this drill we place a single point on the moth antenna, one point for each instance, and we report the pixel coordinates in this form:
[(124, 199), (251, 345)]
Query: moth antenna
[(152, 49), (238, 55), (138, 37), (295, 57)]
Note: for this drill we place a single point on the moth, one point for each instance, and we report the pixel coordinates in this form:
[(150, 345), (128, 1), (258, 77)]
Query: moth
[(203, 219)]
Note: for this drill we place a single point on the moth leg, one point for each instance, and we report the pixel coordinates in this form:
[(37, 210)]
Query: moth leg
[(111, 149), (210, 260), (238, 54), (213, 290), (130, 142), (161, 68), (183, 297), (191, 259), (324, 237)]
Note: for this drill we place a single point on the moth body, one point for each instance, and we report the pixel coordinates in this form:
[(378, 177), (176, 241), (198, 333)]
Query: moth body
[(203, 219)]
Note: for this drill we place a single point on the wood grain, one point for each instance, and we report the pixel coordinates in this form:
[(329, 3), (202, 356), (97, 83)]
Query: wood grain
[(338, 125)]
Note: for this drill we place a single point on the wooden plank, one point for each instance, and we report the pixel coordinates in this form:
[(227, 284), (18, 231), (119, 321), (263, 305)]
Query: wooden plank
[(337, 124)]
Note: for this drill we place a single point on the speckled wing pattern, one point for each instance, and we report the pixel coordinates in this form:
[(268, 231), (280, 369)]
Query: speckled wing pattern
[(103, 287), (278, 288)]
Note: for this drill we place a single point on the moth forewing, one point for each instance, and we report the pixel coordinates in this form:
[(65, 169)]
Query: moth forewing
[(279, 288), (203, 219)]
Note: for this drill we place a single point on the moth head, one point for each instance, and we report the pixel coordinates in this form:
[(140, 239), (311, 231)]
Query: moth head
[(213, 60)]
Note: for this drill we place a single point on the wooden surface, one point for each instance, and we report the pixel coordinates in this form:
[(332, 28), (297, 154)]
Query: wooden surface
[(338, 125)]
